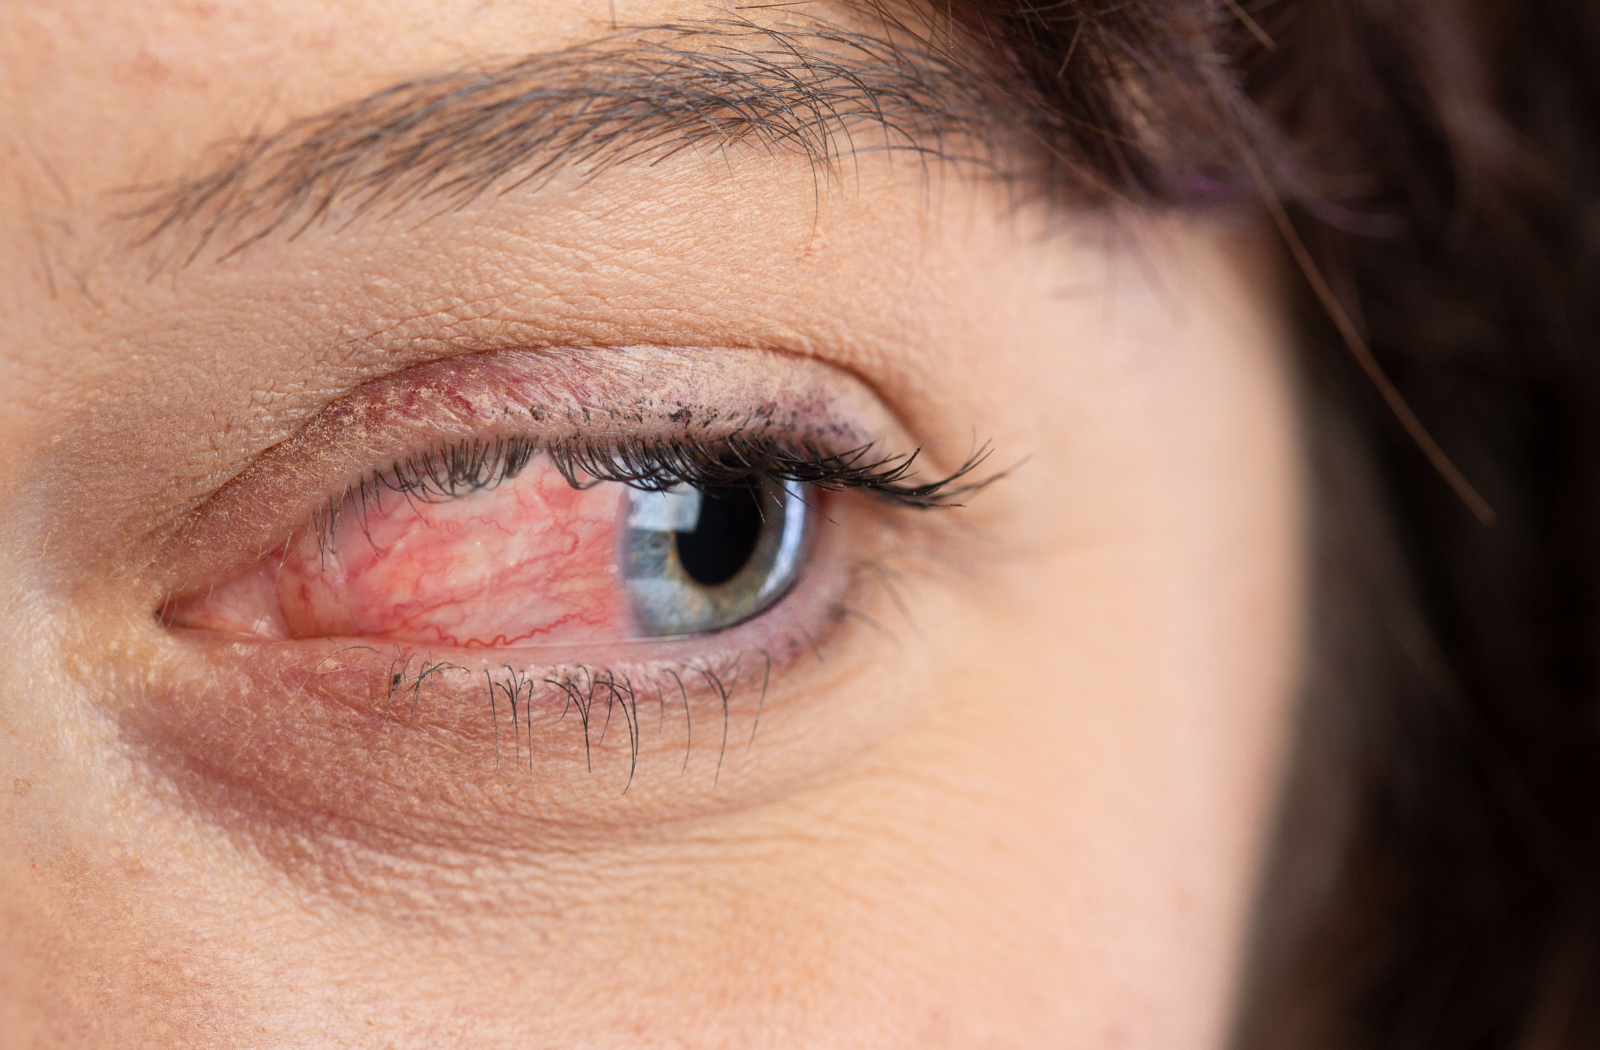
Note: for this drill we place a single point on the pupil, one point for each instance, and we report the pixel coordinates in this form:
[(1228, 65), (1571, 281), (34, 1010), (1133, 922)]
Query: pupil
[(730, 523)]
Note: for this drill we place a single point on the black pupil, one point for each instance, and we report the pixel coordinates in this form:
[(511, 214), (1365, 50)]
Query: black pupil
[(730, 523)]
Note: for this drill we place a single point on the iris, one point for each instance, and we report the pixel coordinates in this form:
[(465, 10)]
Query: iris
[(700, 559)]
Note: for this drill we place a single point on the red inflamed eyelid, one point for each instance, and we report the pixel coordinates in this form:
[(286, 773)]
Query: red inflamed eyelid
[(530, 562)]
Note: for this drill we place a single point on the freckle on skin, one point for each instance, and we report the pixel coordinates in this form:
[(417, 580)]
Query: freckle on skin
[(148, 67), (21, 786)]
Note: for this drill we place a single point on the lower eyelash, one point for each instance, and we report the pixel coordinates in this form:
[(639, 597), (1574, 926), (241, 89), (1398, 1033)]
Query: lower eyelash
[(580, 687)]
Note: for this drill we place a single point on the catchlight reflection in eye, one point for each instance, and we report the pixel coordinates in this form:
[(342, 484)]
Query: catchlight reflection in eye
[(701, 559)]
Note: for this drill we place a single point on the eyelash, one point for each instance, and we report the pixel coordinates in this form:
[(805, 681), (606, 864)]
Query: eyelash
[(577, 686), (456, 469)]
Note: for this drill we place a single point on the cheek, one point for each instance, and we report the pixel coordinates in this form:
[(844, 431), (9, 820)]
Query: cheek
[(531, 561)]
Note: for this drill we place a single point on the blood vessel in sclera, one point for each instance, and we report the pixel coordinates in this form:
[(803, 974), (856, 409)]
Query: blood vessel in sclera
[(532, 561)]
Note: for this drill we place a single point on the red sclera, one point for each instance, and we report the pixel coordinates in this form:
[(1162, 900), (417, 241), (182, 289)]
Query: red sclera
[(532, 561)]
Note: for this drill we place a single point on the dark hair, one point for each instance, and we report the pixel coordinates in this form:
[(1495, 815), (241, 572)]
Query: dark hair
[(1435, 880)]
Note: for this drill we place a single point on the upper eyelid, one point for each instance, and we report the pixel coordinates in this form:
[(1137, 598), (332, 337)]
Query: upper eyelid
[(555, 394), (320, 424)]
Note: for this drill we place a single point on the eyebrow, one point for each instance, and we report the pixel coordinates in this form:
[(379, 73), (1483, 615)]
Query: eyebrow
[(821, 92)]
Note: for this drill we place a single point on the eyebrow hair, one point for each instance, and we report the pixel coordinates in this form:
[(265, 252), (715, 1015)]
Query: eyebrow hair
[(817, 91)]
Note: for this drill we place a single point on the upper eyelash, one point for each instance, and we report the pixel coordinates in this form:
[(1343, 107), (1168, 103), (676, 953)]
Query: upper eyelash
[(459, 468), (450, 471), (657, 463)]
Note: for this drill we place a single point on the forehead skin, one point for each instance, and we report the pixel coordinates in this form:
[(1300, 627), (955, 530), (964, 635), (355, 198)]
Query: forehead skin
[(1032, 820)]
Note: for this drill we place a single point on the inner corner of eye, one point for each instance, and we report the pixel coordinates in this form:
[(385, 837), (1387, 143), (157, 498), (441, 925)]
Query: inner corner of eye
[(532, 560)]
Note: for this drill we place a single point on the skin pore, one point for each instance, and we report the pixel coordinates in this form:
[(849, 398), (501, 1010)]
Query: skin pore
[(988, 775)]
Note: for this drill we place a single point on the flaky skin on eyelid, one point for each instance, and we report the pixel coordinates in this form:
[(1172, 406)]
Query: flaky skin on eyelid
[(627, 392)]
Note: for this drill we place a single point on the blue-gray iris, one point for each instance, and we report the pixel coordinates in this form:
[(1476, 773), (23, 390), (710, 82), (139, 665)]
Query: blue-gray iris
[(697, 560)]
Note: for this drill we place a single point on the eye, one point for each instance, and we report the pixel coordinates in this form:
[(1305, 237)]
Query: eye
[(525, 577), (523, 557), (697, 560)]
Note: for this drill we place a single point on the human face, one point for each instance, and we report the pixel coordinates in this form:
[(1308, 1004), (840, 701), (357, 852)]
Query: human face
[(992, 774)]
